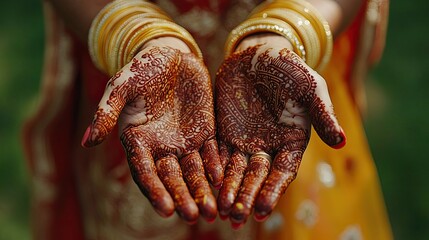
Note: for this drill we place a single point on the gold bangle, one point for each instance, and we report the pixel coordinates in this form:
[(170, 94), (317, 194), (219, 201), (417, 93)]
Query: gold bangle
[(98, 24), (308, 11), (136, 27), (108, 52), (123, 35), (122, 27), (264, 24), (302, 26), (160, 29)]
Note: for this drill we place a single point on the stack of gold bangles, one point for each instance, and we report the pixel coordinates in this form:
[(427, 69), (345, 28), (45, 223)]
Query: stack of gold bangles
[(296, 20), (122, 27)]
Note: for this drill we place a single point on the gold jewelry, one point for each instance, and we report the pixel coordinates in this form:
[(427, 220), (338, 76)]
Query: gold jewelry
[(320, 25), (302, 27), (161, 29), (306, 23), (262, 154), (264, 24), (122, 27)]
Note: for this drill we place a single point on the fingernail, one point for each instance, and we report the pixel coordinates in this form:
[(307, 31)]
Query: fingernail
[(260, 217), (223, 217), (237, 225), (343, 141), (85, 137), (210, 220), (192, 222)]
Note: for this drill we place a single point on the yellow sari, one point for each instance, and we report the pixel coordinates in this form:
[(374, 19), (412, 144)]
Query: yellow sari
[(336, 194)]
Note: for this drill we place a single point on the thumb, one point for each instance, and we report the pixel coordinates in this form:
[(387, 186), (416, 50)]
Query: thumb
[(109, 108), (323, 117)]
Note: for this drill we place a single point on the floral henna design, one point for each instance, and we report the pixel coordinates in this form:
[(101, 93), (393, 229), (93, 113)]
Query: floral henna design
[(145, 87), (163, 103), (285, 80), (266, 101), (249, 116)]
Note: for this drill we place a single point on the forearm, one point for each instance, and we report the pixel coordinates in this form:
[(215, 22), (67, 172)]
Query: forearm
[(338, 13), (78, 14)]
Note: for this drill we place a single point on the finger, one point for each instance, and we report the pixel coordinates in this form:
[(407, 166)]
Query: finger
[(211, 161), (143, 171), (256, 173), (234, 174), (283, 172), (224, 154), (170, 174), (109, 108), (323, 117), (193, 173)]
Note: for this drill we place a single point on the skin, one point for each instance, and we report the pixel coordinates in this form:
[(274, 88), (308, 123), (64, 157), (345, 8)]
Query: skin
[(169, 136), (267, 98), (162, 102)]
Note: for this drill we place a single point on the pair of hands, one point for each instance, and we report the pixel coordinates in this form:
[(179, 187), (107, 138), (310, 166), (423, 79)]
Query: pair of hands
[(267, 98)]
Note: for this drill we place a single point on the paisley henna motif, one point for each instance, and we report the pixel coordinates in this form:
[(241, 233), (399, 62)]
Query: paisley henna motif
[(163, 103), (266, 100)]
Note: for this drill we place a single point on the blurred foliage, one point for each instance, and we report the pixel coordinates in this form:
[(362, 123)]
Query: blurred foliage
[(398, 136), (397, 120), (21, 53)]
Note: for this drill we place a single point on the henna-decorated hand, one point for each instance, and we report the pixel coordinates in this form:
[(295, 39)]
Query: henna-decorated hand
[(267, 98), (162, 101)]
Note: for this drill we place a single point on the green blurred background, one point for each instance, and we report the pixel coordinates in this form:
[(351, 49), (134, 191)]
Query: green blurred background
[(397, 121)]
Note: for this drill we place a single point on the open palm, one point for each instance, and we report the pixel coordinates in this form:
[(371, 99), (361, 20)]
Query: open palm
[(162, 101), (267, 98)]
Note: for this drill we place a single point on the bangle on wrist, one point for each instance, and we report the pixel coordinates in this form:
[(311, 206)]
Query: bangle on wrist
[(122, 27), (304, 22)]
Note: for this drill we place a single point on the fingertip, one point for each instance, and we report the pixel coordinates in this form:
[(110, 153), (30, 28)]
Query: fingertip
[(190, 218), (223, 217), (212, 164), (208, 208), (216, 179), (193, 222), (92, 137), (224, 203), (164, 206), (84, 142), (261, 217), (165, 213), (210, 220), (189, 213), (239, 214), (342, 142), (237, 225)]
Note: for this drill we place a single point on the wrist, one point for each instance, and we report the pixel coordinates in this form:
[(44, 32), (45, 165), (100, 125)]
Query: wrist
[(172, 42), (268, 39)]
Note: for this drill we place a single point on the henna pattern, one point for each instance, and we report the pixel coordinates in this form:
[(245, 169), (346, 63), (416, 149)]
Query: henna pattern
[(283, 171), (266, 100), (248, 110), (233, 176), (163, 100), (254, 178)]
